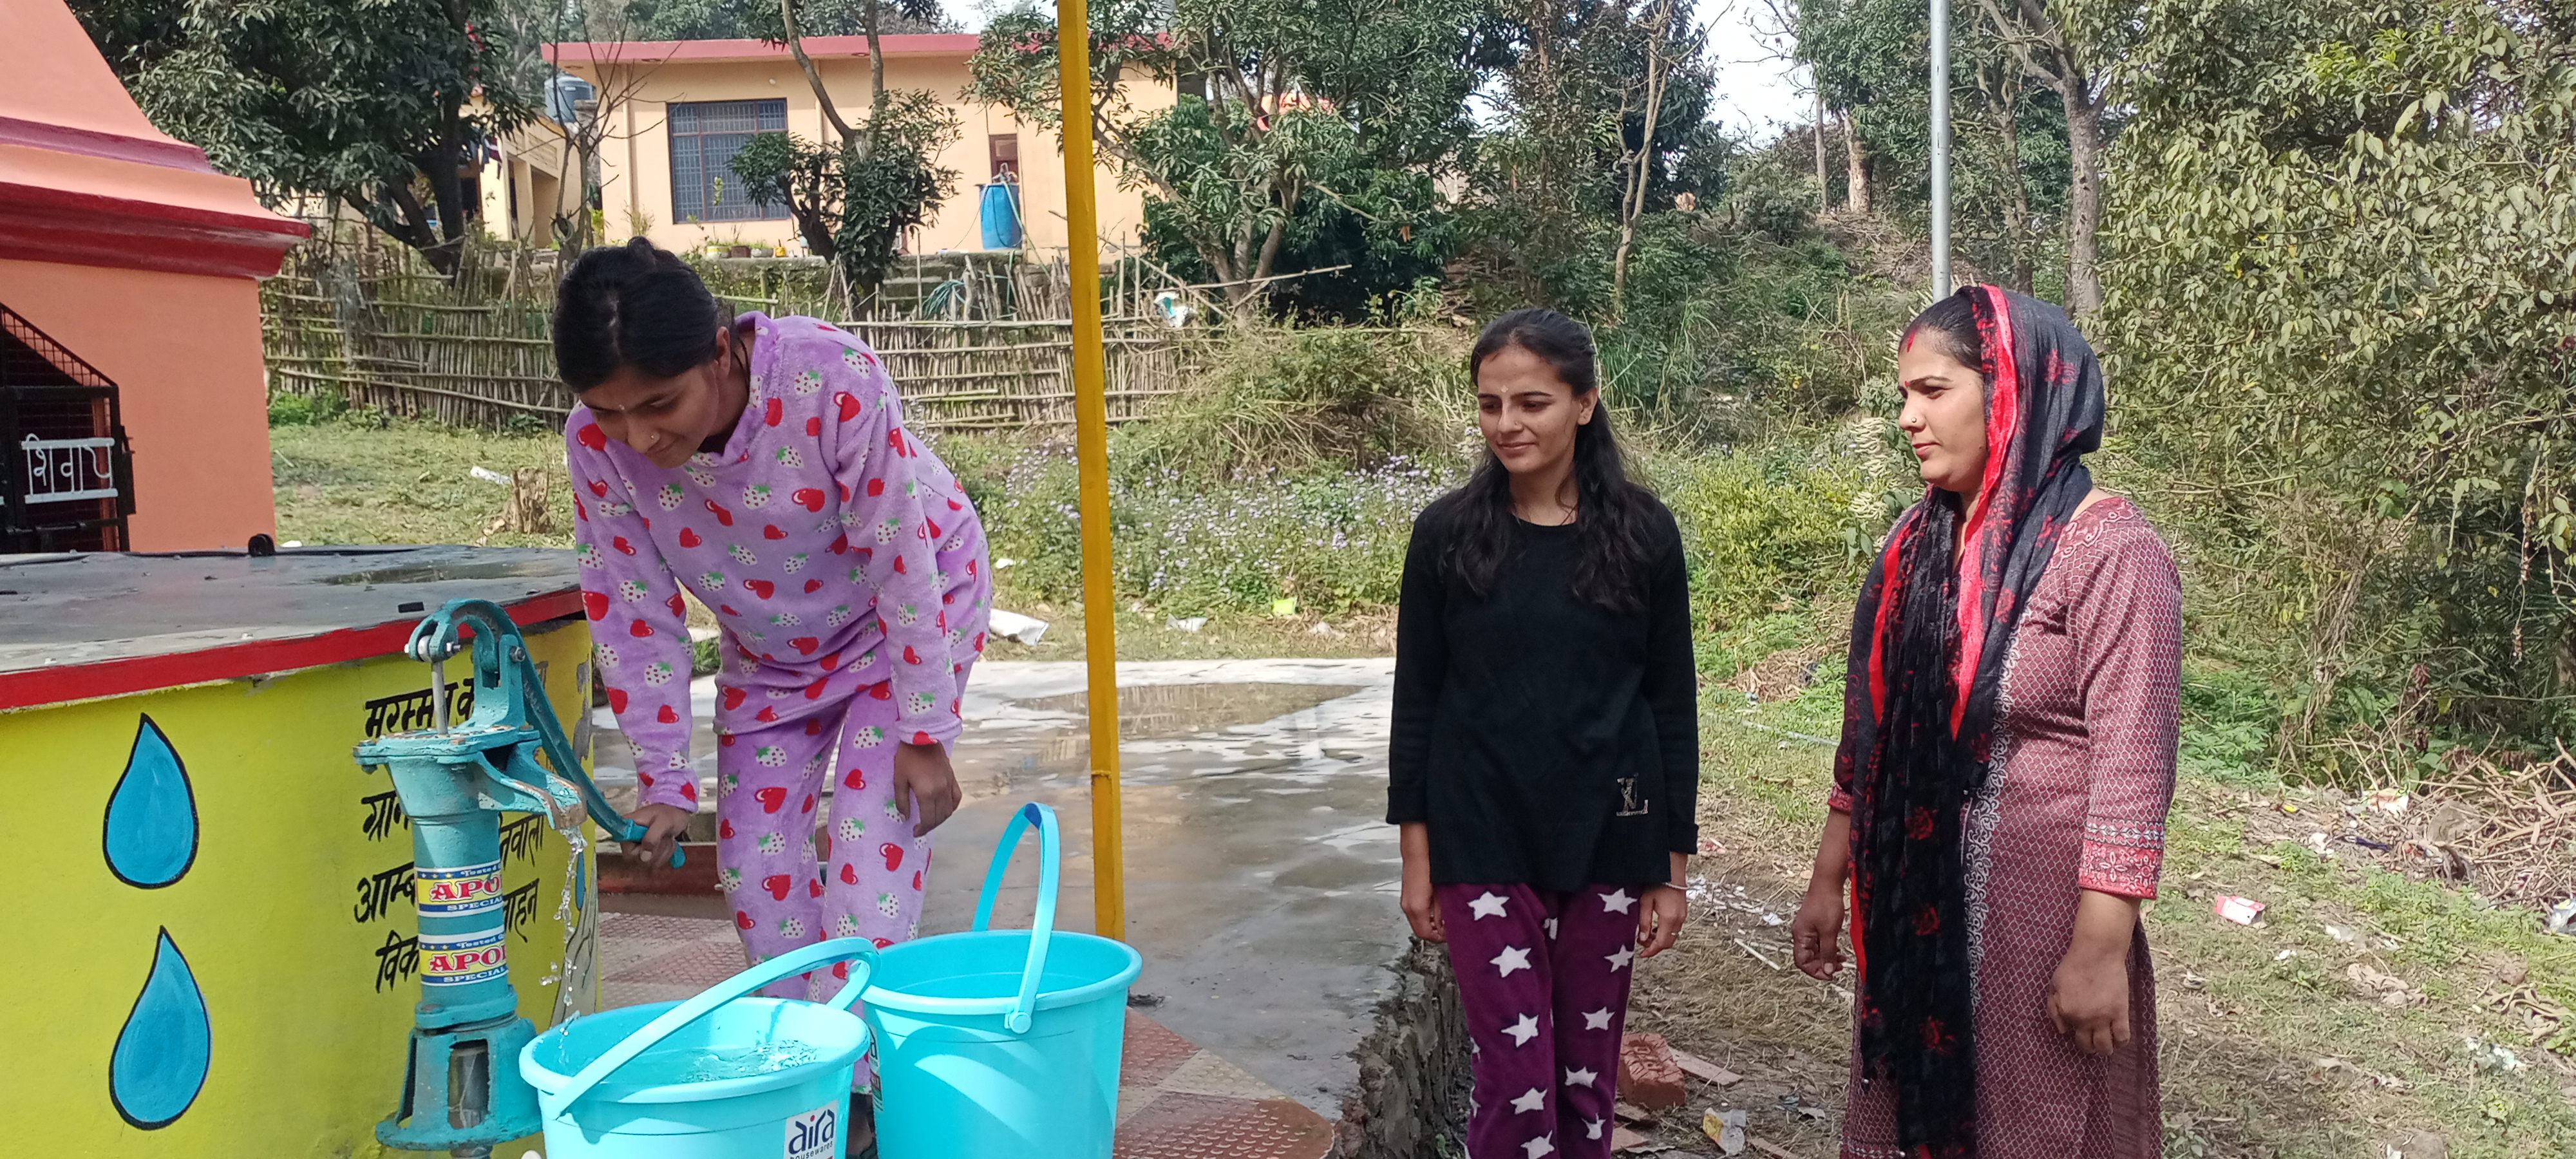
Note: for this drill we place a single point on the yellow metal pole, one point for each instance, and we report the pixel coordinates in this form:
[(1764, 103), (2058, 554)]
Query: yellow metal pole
[(1091, 457)]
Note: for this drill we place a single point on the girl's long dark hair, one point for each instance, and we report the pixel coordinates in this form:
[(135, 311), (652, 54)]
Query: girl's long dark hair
[(1612, 513)]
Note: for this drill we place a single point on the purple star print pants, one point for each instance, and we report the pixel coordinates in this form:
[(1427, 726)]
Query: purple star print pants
[(1543, 977)]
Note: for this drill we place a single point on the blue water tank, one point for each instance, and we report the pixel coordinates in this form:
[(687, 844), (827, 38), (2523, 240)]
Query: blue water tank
[(563, 92), (1001, 204)]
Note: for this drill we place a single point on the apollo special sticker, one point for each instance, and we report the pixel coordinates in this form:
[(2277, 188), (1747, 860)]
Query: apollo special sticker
[(811, 1135), (447, 893), (459, 959)]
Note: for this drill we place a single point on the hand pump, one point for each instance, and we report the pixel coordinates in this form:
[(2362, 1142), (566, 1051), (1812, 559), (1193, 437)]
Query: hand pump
[(462, 1092)]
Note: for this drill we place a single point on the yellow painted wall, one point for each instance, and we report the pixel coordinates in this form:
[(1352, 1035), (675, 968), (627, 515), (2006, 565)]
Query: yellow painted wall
[(521, 189), (635, 161), (308, 1050)]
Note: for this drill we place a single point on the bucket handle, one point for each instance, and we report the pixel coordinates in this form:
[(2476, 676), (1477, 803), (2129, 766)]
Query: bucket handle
[(797, 961), (1050, 847)]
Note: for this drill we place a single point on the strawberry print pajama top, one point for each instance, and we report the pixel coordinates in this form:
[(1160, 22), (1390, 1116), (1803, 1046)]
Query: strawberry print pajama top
[(848, 576)]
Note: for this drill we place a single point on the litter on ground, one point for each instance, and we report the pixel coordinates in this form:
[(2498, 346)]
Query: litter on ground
[(1014, 626)]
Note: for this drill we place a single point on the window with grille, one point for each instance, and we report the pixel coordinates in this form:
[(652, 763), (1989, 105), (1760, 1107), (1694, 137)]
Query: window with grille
[(70, 482), (704, 137)]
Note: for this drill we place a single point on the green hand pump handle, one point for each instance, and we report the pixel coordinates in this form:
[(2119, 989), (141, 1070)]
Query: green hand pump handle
[(501, 657)]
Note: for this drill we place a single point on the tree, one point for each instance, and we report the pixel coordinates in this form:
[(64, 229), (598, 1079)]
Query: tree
[(2009, 170), (1867, 57), (759, 20), (1638, 166), (894, 185), (384, 105), (1271, 91), (853, 202), (2073, 51), (853, 206), (2346, 235), (1372, 230), (1603, 117), (785, 169)]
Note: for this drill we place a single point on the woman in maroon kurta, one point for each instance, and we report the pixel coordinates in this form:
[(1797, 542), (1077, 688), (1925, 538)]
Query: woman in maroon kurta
[(2007, 761)]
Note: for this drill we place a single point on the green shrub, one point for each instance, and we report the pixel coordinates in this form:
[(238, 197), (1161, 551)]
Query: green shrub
[(1778, 537), (1300, 400), (291, 409), (1333, 539), (2228, 717)]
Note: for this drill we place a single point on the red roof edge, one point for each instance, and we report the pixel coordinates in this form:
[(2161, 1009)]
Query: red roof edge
[(665, 51), (46, 224)]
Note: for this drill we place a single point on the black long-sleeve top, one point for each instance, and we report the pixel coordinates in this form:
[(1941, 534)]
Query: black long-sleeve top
[(1528, 721)]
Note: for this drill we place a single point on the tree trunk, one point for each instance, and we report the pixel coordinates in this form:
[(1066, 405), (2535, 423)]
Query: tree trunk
[(2083, 199), (2017, 206), (1247, 297), (438, 164), (816, 229), (1824, 191), (796, 47), (1633, 205), (876, 86), (2040, 45), (1858, 159)]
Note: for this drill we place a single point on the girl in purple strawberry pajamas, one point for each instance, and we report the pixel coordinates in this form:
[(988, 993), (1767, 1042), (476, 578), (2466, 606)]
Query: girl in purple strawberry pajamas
[(1544, 760), (762, 463)]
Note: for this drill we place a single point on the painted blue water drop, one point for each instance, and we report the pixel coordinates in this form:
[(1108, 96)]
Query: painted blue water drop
[(163, 1053), (152, 816)]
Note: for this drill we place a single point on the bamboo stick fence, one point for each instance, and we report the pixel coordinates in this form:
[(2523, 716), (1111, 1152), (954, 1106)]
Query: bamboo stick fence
[(353, 316)]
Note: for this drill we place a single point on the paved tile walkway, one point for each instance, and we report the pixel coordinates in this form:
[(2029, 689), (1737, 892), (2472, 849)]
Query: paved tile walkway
[(1175, 1101)]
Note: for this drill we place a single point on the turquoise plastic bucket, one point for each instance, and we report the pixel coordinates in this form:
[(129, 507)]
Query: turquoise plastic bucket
[(1001, 1044), (800, 1112)]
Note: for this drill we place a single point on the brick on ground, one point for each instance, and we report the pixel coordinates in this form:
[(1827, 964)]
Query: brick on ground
[(1648, 1075)]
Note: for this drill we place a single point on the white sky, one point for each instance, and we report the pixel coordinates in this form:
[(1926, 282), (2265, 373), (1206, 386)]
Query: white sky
[(1759, 93)]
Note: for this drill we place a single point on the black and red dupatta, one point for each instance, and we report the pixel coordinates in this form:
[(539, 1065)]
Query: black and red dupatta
[(1928, 646)]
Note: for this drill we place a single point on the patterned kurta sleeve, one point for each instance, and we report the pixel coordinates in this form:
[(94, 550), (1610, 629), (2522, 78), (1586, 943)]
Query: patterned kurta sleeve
[(637, 619), (2127, 626)]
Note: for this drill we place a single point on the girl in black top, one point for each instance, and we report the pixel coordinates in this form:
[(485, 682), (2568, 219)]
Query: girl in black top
[(1544, 764)]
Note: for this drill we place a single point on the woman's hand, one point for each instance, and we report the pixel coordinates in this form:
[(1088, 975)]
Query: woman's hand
[(1421, 906), (2088, 1000), (1816, 934), (924, 779), (663, 825), (1666, 906), (1659, 919)]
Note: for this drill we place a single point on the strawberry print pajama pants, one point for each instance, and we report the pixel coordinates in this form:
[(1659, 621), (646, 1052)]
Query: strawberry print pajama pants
[(795, 875), (1543, 981)]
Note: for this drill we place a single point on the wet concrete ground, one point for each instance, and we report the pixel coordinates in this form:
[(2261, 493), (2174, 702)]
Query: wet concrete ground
[(1260, 882)]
